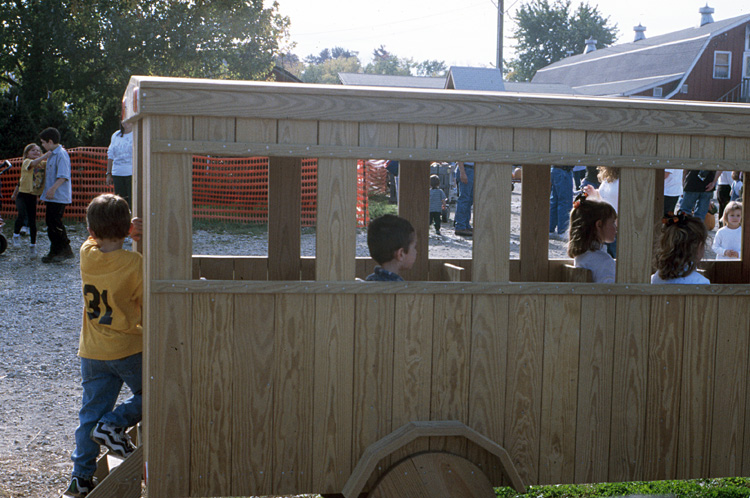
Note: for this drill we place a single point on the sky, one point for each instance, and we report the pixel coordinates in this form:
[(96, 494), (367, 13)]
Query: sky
[(463, 33)]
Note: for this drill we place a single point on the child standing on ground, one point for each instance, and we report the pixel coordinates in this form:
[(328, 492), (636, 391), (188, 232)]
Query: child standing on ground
[(392, 242), (30, 186), (680, 250), (728, 239), (437, 202), (592, 225), (111, 341)]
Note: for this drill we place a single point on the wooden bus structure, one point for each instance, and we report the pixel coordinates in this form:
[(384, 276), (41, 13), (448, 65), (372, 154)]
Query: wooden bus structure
[(282, 375)]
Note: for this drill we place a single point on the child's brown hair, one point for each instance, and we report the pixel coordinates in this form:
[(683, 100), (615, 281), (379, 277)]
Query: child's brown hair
[(386, 235), (731, 206), (28, 148), (608, 174), (679, 247), (583, 217), (108, 216), (434, 181)]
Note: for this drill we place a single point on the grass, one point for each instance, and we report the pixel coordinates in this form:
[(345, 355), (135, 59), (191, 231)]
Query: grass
[(230, 227), (379, 205), (728, 487)]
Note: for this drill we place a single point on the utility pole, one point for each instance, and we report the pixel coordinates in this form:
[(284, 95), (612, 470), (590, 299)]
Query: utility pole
[(499, 62)]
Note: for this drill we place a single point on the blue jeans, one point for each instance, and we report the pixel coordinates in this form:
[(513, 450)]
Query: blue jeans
[(465, 200), (697, 203), (560, 199), (102, 381)]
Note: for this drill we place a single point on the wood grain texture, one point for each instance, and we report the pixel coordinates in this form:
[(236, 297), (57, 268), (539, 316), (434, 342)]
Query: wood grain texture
[(251, 268), (211, 400), (373, 371), (216, 268), (697, 394), (451, 352), (284, 226), (739, 149), (594, 415), (603, 143), (332, 392), (636, 212), (336, 236), (489, 341), (491, 246), (562, 317), (213, 129), (523, 415), (262, 130), (629, 389), (412, 364), (534, 223), (664, 375), (254, 358), (729, 418), (293, 393), (414, 205)]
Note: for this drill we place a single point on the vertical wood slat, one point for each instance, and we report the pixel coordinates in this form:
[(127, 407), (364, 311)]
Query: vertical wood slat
[(629, 388), (451, 349), (491, 247), (696, 397), (337, 204), (635, 211), (211, 398), (559, 389), (489, 340), (373, 371), (730, 418), (739, 149), (253, 406), (167, 243), (332, 392), (414, 205), (595, 375), (523, 400), (664, 375), (412, 365), (284, 225), (293, 393)]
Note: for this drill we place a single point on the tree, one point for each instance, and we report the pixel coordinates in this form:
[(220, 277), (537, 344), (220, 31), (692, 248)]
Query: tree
[(328, 71), (547, 32), (78, 55), (328, 54), (384, 62)]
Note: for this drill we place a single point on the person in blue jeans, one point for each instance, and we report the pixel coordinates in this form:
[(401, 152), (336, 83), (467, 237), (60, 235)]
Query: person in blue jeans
[(560, 199), (465, 198), (698, 190), (111, 340)]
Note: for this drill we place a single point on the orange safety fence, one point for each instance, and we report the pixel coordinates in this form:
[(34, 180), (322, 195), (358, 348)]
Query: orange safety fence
[(231, 189)]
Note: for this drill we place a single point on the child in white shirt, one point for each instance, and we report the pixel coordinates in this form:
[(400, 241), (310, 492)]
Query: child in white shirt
[(728, 240)]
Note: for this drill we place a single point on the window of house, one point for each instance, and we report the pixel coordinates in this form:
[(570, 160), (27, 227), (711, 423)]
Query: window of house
[(746, 65), (657, 91), (747, 38), (684, 89), (722, 64)]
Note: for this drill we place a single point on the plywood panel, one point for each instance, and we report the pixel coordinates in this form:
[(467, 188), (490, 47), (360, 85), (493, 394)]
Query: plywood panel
[(253, 395), (636, 212), (559, 389), (639, 144), (284, 227), (417, 136), (489, 346), (255, 130), (332, 401), (291, 131), (217, 268), (729, 417), (672, 146), (663, 395), (293, 393), (414, 205), (211, 401), (213, 129), (251, 268), (706, 147), (593, 421), (412, 365), (629, 389), (603, 143), (567, 142), (696, 397), (523, 393), (378, 135), (373, 371), (451, 351)]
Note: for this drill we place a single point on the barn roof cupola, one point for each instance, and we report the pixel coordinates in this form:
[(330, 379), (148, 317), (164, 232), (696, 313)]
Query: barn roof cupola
[(590, 45), (706, 17), (640, 32)]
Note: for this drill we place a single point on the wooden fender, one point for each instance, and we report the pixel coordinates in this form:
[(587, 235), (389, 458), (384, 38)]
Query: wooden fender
[(433, 462)]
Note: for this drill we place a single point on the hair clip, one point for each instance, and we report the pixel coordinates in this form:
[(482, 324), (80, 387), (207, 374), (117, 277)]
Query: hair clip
[(671, 219), (579, 199)]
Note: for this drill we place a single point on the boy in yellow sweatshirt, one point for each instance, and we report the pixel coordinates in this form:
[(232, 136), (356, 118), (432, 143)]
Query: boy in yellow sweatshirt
[(111, 341)]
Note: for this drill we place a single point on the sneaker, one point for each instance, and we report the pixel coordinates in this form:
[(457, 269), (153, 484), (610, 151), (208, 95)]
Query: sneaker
[(468, 232), (66, 253), (24, 230), (16, 240), (32, 251), (80, 487), (114, 438), (50, 258)]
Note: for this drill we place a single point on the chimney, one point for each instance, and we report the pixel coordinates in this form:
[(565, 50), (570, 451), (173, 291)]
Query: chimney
[(706, 17), (590, 45), (640, 32)]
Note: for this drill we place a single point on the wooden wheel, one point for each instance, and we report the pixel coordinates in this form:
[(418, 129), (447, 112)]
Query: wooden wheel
[(433, 475)]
